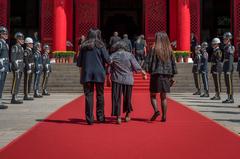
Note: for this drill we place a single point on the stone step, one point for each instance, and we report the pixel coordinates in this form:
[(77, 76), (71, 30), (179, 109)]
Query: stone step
[(66, 78)]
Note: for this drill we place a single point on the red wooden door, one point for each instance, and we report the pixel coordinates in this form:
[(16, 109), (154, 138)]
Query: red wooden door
[(86, 17), (4, 13), (47, 21), (155, 18), (236, 25), (195, 13)]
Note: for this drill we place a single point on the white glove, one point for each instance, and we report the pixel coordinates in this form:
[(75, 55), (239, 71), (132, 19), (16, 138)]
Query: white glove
[(3, 69)]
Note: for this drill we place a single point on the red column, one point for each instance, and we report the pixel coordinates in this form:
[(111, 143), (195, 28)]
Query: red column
[(173, 13), (59, 25), (184, 24)]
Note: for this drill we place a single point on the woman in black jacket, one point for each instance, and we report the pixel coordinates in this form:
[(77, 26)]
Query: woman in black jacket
[(162, 68), (92, 59)]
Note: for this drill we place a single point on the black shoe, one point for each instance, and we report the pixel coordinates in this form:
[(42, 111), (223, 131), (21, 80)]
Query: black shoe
[(14, 101), (37, 96), (155, 115), (239, 106), (26, 97), (205, 95), (3, 107), (228, 101), (197, 93), (45, 93), (216, 98)]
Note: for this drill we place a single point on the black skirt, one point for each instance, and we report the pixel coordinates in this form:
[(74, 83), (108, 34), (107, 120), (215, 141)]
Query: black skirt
[(160, 83)]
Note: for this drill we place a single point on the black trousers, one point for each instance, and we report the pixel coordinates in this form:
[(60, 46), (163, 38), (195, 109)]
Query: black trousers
[(117, 91), (37, 78), (229, 82), (217, 82), (205, 81), (89, 92), (45, 80), (17, 76), (196, 77), (27, 82), (3, 76)]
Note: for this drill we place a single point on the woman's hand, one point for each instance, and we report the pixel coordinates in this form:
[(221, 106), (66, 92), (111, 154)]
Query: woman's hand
[(144, 74)]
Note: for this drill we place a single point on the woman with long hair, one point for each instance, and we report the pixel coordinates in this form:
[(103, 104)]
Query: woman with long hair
[(92, 59), (162, 68)]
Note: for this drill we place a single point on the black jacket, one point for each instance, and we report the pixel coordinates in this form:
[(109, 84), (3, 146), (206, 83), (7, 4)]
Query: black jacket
[(17, 53), (197, 63), (216, 61), (156, 66), (228, 58), (92, 59), (28, 59), (46, 63), (4, 57)]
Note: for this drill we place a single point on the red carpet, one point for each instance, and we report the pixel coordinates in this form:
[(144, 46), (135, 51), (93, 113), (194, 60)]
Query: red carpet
[(186, 135)]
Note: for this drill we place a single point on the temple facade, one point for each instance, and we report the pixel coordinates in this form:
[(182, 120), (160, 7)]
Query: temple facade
[(58, 21)]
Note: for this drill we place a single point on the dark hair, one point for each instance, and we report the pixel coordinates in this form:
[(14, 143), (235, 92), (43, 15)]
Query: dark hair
[(93, 40), (162, 46), (120, 45)]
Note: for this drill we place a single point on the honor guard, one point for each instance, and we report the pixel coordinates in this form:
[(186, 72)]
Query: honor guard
[(4, 61), (228, 66), (204, 69), (29, 68), (17, 53), (196, 69), (38, 69), (46, 69), (216, 68)]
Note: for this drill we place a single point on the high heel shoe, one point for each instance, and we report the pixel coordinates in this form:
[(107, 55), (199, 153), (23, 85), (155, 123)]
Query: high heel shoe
[(155, 115)]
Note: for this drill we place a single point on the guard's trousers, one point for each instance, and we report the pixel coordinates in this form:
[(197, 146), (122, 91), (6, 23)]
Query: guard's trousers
[(228, 77), (27, 82), (3, 76), (17, 76), (196, 77), (217, 82), (205, 81)]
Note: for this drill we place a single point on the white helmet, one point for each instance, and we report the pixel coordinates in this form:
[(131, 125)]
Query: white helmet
[(216, 41), (28, 40)]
